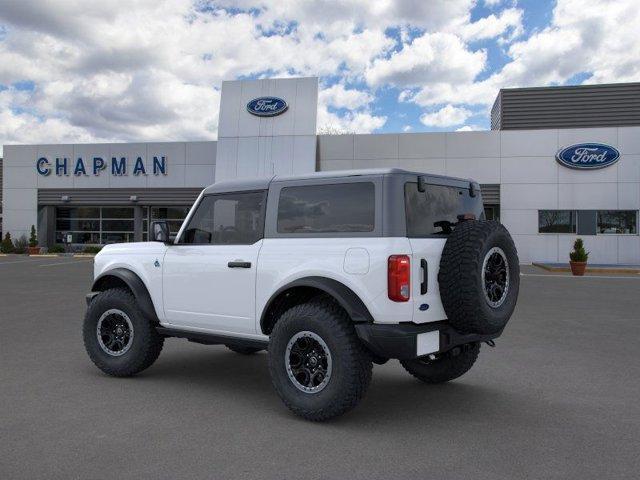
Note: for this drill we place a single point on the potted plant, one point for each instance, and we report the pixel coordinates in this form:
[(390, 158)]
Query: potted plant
[(33, 249), (20, 244), (7, 244), (578, 258)]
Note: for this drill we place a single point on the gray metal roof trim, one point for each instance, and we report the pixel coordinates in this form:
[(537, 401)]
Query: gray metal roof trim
[(239, 185), (263, 183)]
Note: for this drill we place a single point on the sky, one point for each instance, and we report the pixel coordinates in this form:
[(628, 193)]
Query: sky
[(77, 71)]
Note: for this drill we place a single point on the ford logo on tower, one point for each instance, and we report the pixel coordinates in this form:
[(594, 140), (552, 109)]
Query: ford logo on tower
[(267, 106), (588, 156)]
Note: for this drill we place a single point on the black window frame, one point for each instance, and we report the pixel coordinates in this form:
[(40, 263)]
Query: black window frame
[(187, 220)]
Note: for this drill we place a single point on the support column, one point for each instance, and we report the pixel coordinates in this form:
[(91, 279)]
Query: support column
[(138, 217), (46, 226)]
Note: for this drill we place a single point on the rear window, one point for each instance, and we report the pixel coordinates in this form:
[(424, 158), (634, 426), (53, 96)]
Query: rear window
[(344, 207), (435, 211)]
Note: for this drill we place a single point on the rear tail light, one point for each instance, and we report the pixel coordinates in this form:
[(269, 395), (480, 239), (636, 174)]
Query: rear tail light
[(398, 278)]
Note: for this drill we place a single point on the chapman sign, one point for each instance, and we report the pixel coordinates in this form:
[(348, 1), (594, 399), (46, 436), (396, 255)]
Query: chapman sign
[(267, 106), (588, 156), (118, 166)]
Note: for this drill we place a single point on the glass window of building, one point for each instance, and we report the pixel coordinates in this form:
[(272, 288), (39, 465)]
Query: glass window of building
[(556, 221), (174, 216), (618, 222), (345, 207), (94, 225)]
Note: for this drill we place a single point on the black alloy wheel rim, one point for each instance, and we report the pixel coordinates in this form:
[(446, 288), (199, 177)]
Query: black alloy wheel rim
[(115, 332), (495, 277), (308, 362)]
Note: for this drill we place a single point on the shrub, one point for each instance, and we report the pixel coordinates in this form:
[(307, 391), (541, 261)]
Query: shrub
[(33, 238), (91, 249), (20, 245), (57, 248), (7, 245), (579, 254)]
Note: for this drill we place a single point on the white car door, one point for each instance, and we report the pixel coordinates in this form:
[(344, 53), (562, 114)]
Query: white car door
[(209, 275)]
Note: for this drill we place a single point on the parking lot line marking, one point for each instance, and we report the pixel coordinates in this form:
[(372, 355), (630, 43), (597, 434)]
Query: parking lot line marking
[(573, 276)]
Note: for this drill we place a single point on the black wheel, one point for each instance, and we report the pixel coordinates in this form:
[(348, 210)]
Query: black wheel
[(443, 367), (118, 338), (479, 277), (244, 350), (318, 365)]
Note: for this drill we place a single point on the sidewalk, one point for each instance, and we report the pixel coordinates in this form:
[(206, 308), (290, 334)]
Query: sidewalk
[(595, 268)]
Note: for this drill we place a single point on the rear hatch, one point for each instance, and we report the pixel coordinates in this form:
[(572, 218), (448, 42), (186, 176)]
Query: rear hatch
[(432, 211)]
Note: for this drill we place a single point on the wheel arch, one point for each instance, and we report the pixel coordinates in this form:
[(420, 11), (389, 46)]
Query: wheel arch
[(306, 288), (123, 277)]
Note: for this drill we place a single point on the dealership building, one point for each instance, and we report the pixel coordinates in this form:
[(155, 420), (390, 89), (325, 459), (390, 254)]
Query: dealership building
[(558, 163)]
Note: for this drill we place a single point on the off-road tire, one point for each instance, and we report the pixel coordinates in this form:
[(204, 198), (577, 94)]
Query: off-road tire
[(351, 363), (244, 350), (460, 277), (147, 342), (449, 366)]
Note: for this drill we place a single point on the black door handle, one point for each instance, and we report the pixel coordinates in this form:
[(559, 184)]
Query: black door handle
[(239, 264), (425, 276)]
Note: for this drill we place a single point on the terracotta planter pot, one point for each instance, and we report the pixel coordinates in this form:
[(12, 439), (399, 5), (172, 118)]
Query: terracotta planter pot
[(578, 268), (33, 250)]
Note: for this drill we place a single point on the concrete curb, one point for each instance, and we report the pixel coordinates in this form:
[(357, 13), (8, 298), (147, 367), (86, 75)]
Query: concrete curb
[(589, 269), (50, 255)]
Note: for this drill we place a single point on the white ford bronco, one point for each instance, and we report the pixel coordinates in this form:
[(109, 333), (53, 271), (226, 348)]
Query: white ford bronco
[(329, 272)]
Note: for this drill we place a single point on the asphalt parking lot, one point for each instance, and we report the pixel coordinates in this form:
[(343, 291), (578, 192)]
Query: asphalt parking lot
[(559, 397)]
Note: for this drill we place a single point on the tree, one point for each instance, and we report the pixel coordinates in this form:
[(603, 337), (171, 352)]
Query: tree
[(579, 254), (7, 244), (33, 237), (331, 129)]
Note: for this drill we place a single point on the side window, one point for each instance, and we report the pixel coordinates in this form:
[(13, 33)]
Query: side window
[(343, 207), (227, 219)]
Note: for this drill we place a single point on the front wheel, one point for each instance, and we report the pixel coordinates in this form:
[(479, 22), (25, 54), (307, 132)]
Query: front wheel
[(119, 339), (448, 366), (318, 366)]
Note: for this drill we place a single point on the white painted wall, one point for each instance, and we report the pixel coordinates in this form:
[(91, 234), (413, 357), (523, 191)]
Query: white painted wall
[(523, 163), (251, 146), (189, 164)]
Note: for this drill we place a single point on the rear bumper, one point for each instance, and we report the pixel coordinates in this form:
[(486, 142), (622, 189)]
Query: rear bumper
[(407, 340)]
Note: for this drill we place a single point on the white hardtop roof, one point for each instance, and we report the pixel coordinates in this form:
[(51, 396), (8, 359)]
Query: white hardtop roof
[(264, 182)]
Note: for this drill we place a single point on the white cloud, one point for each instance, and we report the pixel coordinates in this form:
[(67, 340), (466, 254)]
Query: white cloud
[(597, 38), (358, 122), (432, 57), (151, 70), (509, 22), (469, 128), (407, 128), (447, 116), (340, 97)]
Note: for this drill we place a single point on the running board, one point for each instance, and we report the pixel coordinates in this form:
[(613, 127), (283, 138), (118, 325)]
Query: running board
[(212, 338)]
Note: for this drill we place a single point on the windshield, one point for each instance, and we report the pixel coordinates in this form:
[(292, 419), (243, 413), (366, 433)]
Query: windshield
[(435, 211)]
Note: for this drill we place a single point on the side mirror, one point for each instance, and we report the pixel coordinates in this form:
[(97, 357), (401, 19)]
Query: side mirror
[(160, 232)]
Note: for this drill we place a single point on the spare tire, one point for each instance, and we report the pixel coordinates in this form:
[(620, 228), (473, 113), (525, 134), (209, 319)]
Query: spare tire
[(479, 277)]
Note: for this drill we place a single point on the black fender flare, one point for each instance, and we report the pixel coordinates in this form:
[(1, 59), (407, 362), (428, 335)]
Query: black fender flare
[(346, 297), (135, 284)]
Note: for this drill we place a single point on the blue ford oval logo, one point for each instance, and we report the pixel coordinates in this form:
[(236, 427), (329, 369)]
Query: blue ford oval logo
[(588, 156), (267, 106)]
